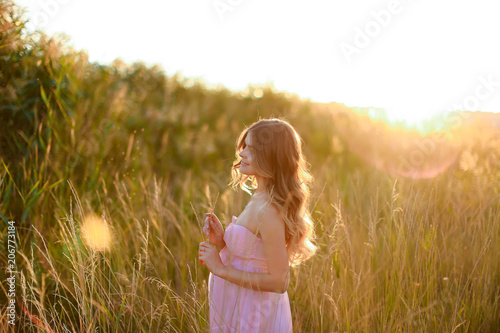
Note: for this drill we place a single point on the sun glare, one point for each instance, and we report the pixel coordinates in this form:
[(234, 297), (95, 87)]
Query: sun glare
[(422, 118)]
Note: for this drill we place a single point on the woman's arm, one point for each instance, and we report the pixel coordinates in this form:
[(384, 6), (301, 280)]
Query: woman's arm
[(256, 281), (272, 231)]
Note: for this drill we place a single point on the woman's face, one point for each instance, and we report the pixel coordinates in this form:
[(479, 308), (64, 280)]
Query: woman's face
[(247, 156)]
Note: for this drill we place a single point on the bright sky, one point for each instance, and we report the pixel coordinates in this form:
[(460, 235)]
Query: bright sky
[(413, 58)]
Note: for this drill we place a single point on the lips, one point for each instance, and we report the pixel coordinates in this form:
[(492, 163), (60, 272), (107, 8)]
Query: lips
[(243, 163)]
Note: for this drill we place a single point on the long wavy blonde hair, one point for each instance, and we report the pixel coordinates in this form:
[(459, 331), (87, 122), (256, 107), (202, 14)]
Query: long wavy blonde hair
[(278, 158)]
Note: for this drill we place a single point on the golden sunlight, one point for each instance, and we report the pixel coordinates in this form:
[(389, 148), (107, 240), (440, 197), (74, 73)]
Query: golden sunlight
[(417, 153), (418, 117), (96, 233)]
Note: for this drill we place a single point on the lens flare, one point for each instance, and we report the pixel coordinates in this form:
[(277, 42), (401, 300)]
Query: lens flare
[(96, 233), (401, 152)]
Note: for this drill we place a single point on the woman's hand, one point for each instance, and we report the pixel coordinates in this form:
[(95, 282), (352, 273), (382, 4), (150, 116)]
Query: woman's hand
[(209, 254), (214, 230)]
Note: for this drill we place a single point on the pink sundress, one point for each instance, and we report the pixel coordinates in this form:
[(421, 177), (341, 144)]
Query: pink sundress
[(237, 309)]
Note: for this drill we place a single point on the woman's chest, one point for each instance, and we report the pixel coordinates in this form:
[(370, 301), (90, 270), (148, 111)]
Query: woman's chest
[(248, 218)]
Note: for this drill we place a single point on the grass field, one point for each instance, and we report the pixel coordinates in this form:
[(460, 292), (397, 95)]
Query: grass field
[(141, 154)]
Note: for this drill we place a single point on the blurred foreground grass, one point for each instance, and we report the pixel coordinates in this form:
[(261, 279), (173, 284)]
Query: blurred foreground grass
[(147, 153)]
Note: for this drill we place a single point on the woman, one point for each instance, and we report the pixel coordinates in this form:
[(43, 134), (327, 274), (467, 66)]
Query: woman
[(249, 277)]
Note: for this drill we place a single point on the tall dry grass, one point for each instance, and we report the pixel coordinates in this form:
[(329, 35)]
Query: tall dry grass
[(393, 256)]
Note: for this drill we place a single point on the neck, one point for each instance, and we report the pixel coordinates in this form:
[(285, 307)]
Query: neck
[(261, 187)]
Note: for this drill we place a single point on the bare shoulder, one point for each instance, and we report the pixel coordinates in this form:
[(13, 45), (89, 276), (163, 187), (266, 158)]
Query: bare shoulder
[(270, 215)]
